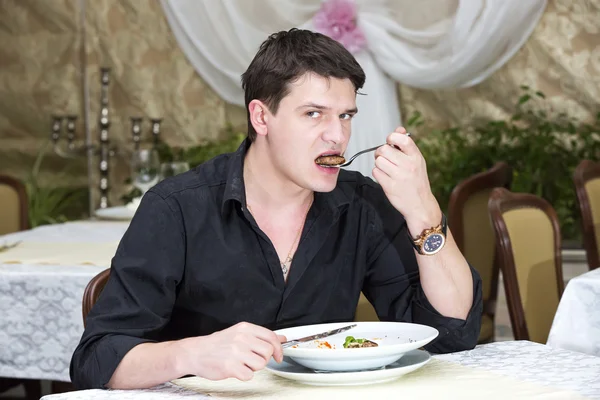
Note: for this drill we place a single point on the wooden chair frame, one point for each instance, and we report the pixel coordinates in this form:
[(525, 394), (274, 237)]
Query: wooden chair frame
[(500, 175), (501, 201), (586, 171)]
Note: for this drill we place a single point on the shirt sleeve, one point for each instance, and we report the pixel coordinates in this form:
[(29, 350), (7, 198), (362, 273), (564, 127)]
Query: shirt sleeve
[(139, 296), (392, 284)]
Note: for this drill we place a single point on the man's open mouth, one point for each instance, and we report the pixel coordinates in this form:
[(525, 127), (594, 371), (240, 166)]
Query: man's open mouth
[(330, 160)]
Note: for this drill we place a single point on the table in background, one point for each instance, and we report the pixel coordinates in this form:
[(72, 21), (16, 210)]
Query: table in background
[(40, 304), (576, 325)]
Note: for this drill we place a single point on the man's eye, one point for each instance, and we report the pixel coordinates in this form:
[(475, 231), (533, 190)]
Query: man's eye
[(313, 114), (346, 116)]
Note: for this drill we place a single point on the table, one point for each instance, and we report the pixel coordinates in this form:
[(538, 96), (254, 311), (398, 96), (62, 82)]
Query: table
[(40, 303), (561, 373), (576, 325)]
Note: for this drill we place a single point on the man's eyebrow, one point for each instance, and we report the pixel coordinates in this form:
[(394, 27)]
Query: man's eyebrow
[(313, 105), (322, 107)]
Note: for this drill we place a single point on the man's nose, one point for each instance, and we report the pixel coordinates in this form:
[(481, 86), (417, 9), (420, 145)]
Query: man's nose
[(335, 132)]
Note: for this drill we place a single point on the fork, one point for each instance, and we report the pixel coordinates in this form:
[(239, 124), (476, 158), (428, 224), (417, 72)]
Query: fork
[(356, 155)]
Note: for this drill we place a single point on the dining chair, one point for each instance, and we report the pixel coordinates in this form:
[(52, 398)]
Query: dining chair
[(33, 388), (364, 310), (13, 205), (587, 187), (90, 296), (92, 292), (469, 222), (529, 253)]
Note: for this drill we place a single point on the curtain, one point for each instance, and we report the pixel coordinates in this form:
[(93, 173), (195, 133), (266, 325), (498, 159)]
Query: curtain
[(430, 44)]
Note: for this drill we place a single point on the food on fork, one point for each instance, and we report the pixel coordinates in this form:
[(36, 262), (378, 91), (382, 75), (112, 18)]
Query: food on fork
[(352, 343), (330, 160)]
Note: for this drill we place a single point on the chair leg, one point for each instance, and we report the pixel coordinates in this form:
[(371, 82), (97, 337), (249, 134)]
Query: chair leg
[(33, 389), (62, 387), (8, 383)]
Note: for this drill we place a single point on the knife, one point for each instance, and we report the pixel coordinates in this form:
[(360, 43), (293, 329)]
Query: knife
[(289, 343)]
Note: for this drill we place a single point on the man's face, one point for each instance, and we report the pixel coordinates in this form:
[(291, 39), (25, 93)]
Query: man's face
[(312, 120)]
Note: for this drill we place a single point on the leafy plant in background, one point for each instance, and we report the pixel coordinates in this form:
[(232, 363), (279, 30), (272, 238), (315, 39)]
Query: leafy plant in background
[(194, 155), (542, 149), (52, 204)]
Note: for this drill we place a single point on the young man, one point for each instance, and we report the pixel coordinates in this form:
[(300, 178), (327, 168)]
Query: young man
[(217, 258)]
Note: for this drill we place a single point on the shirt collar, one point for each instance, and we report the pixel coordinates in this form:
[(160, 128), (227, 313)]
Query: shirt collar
[(234, 186), (235, 189)]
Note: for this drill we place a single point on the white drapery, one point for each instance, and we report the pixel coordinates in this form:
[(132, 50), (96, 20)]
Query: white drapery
[(427, 44)]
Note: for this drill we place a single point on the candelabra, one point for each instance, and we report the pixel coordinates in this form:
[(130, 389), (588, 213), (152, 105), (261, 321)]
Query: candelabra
[(71, 148)]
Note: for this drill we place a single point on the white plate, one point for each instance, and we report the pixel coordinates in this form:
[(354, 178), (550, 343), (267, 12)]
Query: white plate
[(394, 339), (411, 361), (120, 213)]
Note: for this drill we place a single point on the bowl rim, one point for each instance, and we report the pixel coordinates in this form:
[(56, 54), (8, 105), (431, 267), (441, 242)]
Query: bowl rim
[(365, 352)]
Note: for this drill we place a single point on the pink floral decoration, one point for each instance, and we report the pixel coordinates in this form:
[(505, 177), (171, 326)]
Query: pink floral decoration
[(337, 19)]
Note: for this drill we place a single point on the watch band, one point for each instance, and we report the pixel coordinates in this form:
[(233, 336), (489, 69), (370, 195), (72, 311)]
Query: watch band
[(444, 224), (419, 240)]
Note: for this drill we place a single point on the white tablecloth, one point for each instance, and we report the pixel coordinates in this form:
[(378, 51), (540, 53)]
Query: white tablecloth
[(576, 325), (40, 304), (575, 373)]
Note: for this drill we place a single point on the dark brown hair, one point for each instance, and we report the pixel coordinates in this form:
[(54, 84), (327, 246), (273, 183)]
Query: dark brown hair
[(286, 56)]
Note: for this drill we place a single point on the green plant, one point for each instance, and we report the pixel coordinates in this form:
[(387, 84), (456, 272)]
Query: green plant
[(194, 155), (543, 149), (51, 204)]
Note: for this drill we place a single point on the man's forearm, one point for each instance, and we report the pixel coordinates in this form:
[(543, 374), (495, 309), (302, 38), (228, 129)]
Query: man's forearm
[(147, 365), (447, 280)]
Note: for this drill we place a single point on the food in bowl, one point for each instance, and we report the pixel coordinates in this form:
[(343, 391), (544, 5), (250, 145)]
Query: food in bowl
[(391, 339), (352, 343), (321, 344)]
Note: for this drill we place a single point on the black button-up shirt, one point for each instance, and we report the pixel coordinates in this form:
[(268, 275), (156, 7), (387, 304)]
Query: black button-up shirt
[(193, 261)]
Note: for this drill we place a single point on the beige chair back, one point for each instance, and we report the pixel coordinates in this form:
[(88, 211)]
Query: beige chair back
[(587, 186), (468, 219), (13, 205), (365, 311), (529, 250)]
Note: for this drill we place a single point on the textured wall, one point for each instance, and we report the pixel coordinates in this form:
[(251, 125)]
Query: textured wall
[(40, 59), (38, 75), (151, 76), (561, 58)]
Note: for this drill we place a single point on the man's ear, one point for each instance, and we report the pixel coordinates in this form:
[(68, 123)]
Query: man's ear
[(259, 115)]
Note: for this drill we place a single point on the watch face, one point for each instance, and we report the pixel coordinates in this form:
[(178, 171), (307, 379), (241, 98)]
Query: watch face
[(433, 243)]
